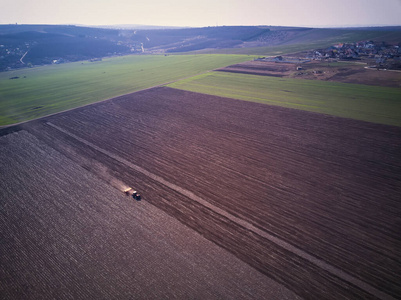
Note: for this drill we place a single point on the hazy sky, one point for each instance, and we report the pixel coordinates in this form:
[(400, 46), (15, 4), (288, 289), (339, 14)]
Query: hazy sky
[(203, 12)]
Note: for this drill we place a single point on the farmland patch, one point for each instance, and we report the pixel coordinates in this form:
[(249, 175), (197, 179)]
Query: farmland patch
[(327, 185), (68, 234), (360, 102), (346, 72), (56, 88)]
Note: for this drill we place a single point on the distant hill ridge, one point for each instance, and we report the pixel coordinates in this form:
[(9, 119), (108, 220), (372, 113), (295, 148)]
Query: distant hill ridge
[(27, 45)]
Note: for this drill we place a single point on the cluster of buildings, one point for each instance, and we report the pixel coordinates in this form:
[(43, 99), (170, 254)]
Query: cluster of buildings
[(13, 50), (377, 52), (11, 56)]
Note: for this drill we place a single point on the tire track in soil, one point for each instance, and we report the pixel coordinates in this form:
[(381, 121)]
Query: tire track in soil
[(329, 186), (310, 258), (180, 264)]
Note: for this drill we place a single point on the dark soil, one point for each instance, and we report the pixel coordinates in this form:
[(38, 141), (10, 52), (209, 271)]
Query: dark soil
[(66, 234), (260, 68), (327, 185)]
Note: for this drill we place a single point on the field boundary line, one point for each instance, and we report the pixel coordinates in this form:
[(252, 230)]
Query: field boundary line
[(283, 244), (114, 97), (93, 103), (104, 100)]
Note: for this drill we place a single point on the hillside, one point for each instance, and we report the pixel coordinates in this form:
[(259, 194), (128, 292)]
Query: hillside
[(28, 45)]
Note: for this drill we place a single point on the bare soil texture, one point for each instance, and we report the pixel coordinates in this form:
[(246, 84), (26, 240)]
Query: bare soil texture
[(66, 234), (326, 185), (315, 70)]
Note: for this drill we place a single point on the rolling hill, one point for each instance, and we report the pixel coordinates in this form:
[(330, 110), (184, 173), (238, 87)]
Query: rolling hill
[(28, 45)]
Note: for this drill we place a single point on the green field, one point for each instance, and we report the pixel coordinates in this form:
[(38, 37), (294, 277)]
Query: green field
[(360, 102), (45, 90), (49, 89)]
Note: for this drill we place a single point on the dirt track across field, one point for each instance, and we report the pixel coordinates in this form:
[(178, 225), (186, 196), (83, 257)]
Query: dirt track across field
[(66, 234), (314, 260), (326, 185)]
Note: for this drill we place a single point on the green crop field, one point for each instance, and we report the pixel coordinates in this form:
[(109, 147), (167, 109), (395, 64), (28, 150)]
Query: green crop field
[(360, 102), (49, 89)]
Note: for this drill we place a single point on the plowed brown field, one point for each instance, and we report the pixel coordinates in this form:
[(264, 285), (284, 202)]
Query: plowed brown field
[(66, 234), (327, 186)]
